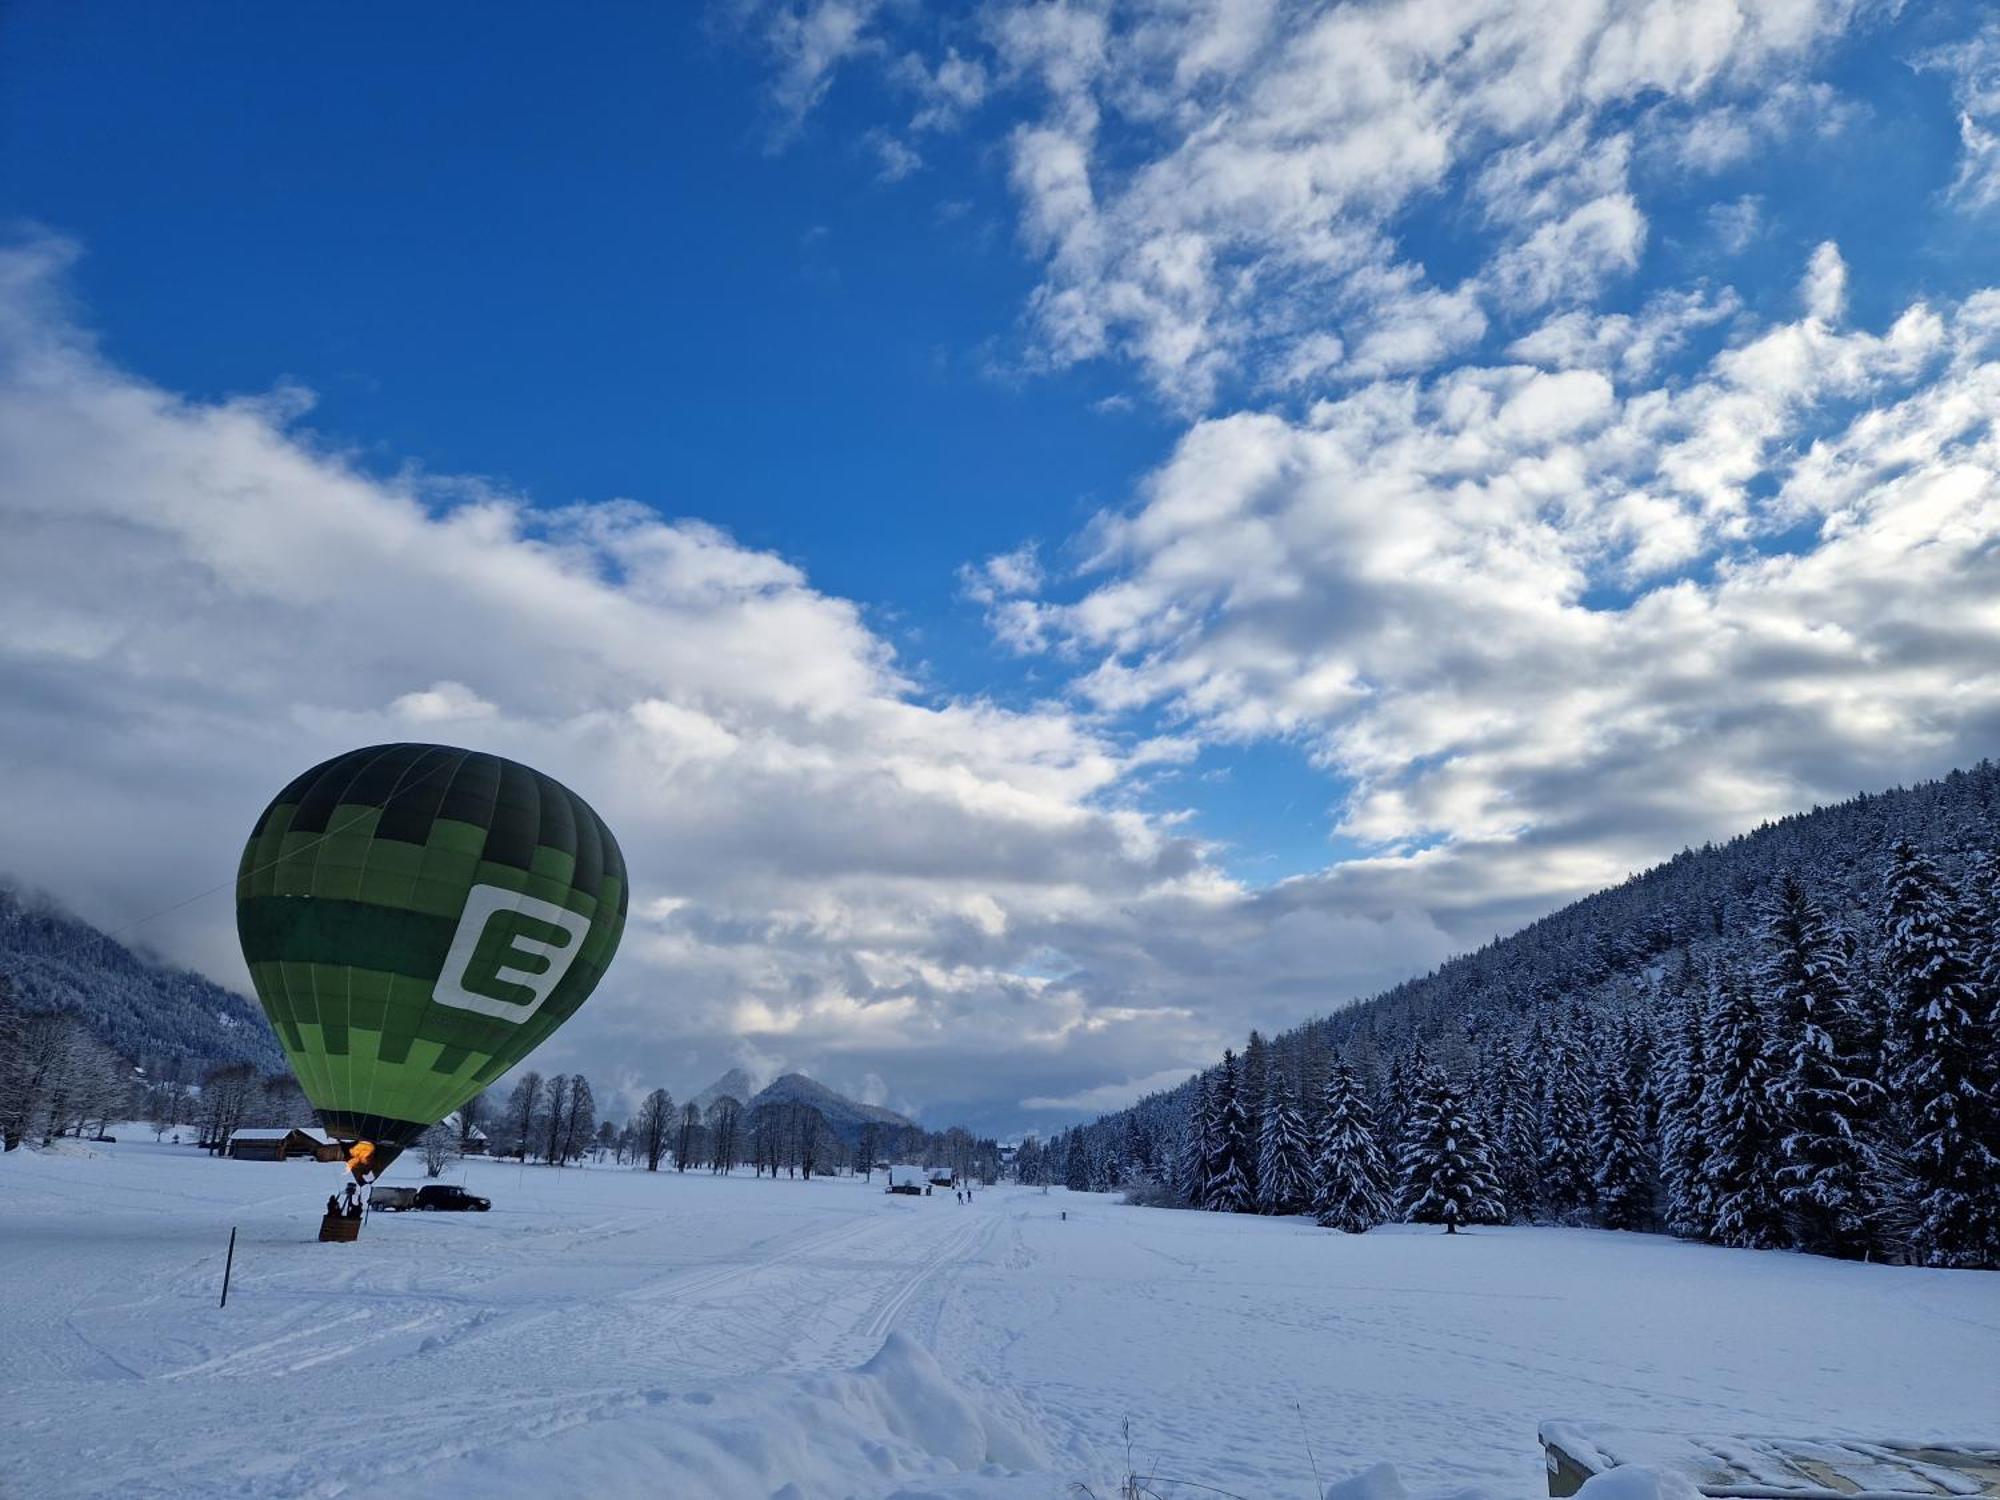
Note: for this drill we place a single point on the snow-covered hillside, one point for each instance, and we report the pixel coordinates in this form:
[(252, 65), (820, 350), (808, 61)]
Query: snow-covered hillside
[(623, 1333), (152, 1014)]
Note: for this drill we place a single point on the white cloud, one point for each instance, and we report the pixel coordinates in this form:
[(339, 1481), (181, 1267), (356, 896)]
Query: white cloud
[(1737, 223), (809, 42), (1004, 574), (1531, 616), (898, 159), (946, 93), (197, 601), (1104, 1097), (1626, 346), (442, 703), (1824, 290), (1210, 188), (1720, 136), (1569, 259), (1973, 65)]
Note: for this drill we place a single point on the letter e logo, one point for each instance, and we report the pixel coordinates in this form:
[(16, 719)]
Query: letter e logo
[(509, 954)]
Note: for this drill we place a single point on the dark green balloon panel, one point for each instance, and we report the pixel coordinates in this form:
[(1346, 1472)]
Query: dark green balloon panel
[(417, 919)]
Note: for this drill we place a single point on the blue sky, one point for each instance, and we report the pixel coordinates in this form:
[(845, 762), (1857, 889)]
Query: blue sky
[(1398, 417), (568, 258)]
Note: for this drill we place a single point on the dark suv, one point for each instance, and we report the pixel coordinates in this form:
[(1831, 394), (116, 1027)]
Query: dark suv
[(447, 1196)]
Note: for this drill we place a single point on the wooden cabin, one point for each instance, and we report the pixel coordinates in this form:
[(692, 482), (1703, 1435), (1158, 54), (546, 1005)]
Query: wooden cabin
[(284, 1143)]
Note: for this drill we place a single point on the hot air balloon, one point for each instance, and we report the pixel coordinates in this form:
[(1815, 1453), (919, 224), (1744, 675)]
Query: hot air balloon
[(417, 919)]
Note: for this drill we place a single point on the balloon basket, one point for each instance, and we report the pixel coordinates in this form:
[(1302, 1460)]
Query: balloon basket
[(339, 1229)]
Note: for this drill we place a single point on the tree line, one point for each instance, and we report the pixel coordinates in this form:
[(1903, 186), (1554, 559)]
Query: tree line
[(1766, 1051), (553, 1120), (57, 1078)]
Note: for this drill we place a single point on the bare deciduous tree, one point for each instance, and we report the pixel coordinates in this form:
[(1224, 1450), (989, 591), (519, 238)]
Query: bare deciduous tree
[(687, 1141), (812, 1137), (226, 1095), (440, 1144), (579, 1119), (725, 1125), (522, 1106), (560, 1087), (655, 1123), (866, 1148)]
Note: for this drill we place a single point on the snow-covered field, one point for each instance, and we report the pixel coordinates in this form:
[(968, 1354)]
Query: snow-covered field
[(614, 1333)]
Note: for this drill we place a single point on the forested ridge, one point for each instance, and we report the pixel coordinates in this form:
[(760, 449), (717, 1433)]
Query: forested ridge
[(161, 1018), (1786, 1040)]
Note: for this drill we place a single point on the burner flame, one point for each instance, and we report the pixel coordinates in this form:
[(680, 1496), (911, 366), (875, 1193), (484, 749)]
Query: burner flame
[(358, 1158)]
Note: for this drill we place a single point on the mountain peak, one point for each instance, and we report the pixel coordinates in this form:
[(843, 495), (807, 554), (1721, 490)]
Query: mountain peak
[(734, 1084), (845, 1115)]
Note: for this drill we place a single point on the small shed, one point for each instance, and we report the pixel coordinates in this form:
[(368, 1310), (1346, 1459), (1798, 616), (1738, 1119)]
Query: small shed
[(1776, 1468), (472, 1141), (283, 1143)]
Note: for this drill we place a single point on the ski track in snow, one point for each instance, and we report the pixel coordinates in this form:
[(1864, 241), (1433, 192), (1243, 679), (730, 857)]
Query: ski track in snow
[(666, 1320), (600, 1317)]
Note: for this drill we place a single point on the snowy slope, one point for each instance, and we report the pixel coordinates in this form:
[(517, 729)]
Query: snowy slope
[(148, 1012), (620, 1333)]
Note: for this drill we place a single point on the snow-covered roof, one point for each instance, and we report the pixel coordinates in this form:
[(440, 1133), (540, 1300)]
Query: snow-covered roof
[(453, 1123), (261, 1133)]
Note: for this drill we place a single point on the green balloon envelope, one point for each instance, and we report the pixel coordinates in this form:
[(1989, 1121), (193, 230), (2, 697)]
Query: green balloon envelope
[(416, 920)]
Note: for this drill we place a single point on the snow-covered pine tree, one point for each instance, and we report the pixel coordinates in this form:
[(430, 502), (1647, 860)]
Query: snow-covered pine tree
[(1824, 1096), (1076, 1163), (1564, 1167), (1350, 1173), (1447, 1174), (1399, 1091), (1684, 1125), (1284, 1154), (1945, 1044), (1623, 1171), (1197, 1144), (1516, 1139), (1227, 1185), (1642, 1070), (1253, 1078), (1137, 1153), (1741, 1121)]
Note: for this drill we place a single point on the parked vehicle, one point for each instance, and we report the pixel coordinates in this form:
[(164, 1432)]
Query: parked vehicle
[(451, 1198), (443, 1197)]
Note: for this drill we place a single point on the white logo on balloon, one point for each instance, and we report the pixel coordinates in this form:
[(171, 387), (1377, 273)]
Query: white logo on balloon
[(483, 904)]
